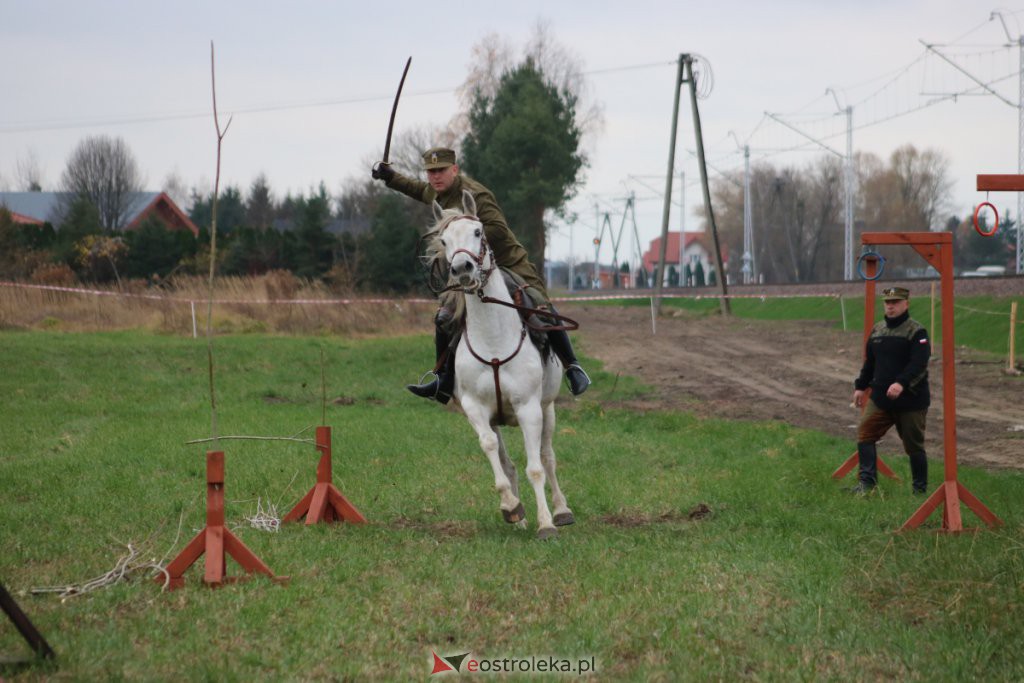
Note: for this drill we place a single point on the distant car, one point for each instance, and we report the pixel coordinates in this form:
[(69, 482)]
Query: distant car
[(992, 270), (985, 271)]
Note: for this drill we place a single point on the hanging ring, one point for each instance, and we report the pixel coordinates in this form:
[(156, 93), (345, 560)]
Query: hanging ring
[(860, 265), (977, 225)]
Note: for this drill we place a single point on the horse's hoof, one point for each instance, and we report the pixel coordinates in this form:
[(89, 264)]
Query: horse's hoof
[(516, 515), (564, 519), (546, 533)]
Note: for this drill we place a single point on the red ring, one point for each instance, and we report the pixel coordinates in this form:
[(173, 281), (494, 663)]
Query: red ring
[(978, 227)]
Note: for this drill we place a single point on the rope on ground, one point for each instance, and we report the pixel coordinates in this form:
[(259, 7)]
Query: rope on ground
[(124, 569)]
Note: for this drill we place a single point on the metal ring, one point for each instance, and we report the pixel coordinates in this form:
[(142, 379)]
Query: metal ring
[(977, 226), (860, 267)]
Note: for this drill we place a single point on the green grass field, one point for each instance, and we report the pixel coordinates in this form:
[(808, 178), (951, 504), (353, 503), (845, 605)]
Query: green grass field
[(787, 578)]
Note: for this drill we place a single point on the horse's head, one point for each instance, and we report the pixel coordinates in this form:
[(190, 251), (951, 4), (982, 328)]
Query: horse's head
[(460, 236)]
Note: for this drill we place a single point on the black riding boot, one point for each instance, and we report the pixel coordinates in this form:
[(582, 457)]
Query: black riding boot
[(919, 472), (868, 475), (441, 387), (560, 344)]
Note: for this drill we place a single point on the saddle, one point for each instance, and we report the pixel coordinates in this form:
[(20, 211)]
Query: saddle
[(519, 290)]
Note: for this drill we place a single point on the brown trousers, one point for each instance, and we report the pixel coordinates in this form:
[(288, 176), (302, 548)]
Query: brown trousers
[(910, 426)]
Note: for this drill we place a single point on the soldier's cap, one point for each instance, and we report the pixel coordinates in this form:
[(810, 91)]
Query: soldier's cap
[(438, 157), (896, 294)]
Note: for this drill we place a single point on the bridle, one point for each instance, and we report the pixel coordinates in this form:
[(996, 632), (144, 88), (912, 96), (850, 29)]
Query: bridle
[(477, 258)]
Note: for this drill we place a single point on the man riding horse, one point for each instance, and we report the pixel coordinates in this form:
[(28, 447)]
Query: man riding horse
[(445, 185)]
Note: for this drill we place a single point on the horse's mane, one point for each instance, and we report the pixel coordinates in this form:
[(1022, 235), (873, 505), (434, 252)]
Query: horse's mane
[(435, 261)]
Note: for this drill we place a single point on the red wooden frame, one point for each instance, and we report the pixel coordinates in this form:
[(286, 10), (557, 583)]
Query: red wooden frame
[(215, 539), (937, 249), (1001, 183), (324, 502)]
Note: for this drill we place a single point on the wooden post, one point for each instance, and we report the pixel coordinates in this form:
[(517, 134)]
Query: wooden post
[(931, 325), (324, 502), (25, 627), (1013, 337), (214, 539)]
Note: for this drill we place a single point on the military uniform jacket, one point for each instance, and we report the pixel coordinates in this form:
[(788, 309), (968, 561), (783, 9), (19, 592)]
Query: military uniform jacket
[(508, 252), (897, 351)]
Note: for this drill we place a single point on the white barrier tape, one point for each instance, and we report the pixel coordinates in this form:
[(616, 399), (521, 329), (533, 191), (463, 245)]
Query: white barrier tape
[(563, 299), (154, 297), (978, 310)]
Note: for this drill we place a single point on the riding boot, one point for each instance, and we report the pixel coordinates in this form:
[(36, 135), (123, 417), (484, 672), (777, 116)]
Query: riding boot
[(562, 346), (441, 387), (919, 472), (868, 475)]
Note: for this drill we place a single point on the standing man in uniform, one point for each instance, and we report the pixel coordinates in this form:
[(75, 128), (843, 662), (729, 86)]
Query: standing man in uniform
[(896, 371), (445, 185)]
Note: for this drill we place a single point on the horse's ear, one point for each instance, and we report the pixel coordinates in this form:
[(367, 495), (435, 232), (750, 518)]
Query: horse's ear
[(438, 211), (468, 204)]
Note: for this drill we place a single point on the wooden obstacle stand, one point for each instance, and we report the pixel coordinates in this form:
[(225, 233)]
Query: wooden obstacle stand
[(25, 627), (324, 502), (937, 249), (215, 539)]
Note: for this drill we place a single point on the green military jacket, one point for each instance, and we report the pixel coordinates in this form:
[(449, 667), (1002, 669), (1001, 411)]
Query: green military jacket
[(509, 253)]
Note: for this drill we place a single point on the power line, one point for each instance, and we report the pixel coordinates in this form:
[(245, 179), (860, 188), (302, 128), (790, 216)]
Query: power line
[(64, 124)]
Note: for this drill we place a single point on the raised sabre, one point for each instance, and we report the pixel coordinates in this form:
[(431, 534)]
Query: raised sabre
[(394, 109)]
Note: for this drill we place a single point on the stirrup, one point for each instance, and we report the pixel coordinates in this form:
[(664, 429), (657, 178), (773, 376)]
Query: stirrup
[(577, 388), (426, 389)]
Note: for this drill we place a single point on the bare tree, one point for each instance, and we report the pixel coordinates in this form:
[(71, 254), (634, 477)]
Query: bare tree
[(796, 214), (28, 172), (922, 179), (175, 188), (103, 170), (494, 55)]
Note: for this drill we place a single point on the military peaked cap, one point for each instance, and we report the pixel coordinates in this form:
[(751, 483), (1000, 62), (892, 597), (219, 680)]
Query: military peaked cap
[(896, 294), (438, 157)]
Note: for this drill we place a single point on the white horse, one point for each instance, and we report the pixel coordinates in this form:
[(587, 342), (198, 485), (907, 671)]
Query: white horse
[(500, 376)]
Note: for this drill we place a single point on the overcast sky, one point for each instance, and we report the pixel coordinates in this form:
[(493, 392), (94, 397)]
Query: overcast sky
[(311, 84)]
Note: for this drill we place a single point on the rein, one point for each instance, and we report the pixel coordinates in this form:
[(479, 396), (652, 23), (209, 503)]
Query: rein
[(568, 326)]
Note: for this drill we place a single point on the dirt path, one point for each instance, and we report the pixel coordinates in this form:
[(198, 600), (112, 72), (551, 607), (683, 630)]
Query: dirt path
[(798, 372)]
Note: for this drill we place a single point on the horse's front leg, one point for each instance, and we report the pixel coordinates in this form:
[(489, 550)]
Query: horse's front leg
[(479, 416), (509, 468), (563, 515), (531, 421)]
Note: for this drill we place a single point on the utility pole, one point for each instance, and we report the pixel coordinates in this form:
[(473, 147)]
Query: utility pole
[(666, 211), (749, 271), (597, 246), (1020, 134), (572, 260), (1018, 105), (848, 181), (749, 265), (687, 60), (682, 225)]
